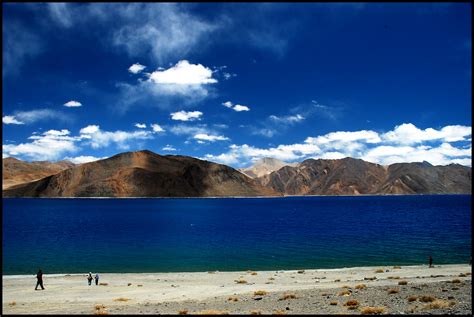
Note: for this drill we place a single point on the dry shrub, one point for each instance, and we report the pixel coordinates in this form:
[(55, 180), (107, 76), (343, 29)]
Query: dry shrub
[(426, 298), (271, 278), (462, 275), (129, 284), (139, 285), (360, 286), (99, 307), (233, 299), (324, 294), (456, 281), (439, 303), (337, 280), (101, 312), (253, 273), (241, 281), (344, 293), (412, 298), (183, 312), (260, 293), (104, 284), (121, 299), (373, 310), (333, 303), (213, 312), (288, 296), (392, 291), (402, 283), (468, 273), (255, 312), (379, 271), (300, 271), (370, 278), (345, 286), (396, 267), (352, 303), (12, 303), (279, 312), (393, 277)]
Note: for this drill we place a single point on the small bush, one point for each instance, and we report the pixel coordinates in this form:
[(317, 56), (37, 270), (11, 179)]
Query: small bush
[(393, 277), (101, 312), (300, 271), (233, 299), (345, 286), (183, 312), (279, 312), (260, 293), (139, 285), (426, 298), (337, 280), (271, 279), (379, 271), (438, 303), (396, 267), (462, 275), (253, 273), (324, 294), (352, 302), (456, 281), (99, 307), (241, 281), (468, 273), (333, 303), (12, 303), (213, 312), (412, 298), (121, 299), (392, 291), (360, 286), (255, 312), (344, 293), (129, 284), (288, 296), (402, 283), (373, 310), (104, 284), (370, 278)]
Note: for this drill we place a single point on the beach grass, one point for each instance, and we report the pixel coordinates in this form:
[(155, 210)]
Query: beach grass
[(373, 310)]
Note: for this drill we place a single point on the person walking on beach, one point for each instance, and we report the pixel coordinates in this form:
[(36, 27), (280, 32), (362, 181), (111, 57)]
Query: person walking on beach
[(96, 278), (431, 261), (89, 278), (39, 277)]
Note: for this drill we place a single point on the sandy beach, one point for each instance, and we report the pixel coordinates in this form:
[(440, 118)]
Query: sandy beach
[(437, 290)]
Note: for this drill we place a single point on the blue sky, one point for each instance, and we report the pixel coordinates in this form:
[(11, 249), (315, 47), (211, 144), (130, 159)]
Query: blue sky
[(232, 83)]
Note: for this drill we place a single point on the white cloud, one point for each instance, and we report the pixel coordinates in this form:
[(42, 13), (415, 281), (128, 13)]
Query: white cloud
[(73, 103), (157, 128), (83, 159), (386, 148), (136, 68), (98, 138), (183, 129), (186, 116), (11, 120), (287, 119), (210, 138), (140, 125), (32, 116), (238, 108), (90, 129), (169, 148), (48, 146), (184, 73)]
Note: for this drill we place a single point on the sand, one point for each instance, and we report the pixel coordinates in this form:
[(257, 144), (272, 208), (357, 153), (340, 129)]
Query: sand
[(314, 290)]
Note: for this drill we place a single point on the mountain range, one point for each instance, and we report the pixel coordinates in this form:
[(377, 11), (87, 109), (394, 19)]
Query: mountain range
[(147, 174)]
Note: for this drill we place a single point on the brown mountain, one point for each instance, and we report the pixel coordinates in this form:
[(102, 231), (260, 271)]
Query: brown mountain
[(264, 166), (18, 172), (143, 174), (350, 176)]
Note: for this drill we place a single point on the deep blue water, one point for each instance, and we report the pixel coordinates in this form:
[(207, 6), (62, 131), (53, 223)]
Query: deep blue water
[(165, 235)]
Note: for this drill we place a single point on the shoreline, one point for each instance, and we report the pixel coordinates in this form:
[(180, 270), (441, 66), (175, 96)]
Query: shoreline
[(132, 293)]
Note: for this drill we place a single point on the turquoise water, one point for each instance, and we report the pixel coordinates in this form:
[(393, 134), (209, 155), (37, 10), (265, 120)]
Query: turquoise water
[(169, 235)]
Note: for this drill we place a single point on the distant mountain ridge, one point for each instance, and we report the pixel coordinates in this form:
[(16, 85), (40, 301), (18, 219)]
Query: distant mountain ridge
[(264, 166), (147, 174), (351, 176), (18, 172), (144, 174)]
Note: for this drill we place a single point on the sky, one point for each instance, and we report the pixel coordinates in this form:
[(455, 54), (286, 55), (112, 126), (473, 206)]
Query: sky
[(235, 82)]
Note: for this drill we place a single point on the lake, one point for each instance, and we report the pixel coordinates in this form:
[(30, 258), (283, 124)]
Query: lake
[(170, 235)]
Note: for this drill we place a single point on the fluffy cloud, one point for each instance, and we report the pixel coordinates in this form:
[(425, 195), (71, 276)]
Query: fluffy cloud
[(186, 116), (140, 125), (287, 119), (184, 73), (169, 148), (73, 103), (97, 138), (136, 68), (183, 129), (50, 145), (237, 108), (210, 138), (157, 128), (387, 148), (83, 159), (11, 120)]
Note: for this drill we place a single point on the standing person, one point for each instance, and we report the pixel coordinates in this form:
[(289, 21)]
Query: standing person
[(431, 261), (96, 278), (39, 277), (89, 278)]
